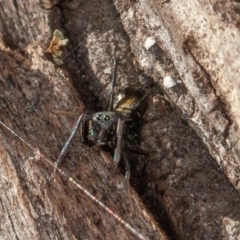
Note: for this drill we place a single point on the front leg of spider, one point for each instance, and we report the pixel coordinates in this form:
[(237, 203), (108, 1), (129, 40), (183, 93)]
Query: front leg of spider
[(67, 144), (119, 152), (119, 144), (127, 171)]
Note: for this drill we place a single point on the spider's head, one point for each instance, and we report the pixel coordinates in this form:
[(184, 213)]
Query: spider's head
[(103, 127)]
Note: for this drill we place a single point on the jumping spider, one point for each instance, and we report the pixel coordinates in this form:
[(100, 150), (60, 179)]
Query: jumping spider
[(115, 128)]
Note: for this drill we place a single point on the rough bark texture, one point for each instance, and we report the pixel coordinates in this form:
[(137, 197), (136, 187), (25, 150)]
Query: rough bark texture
[(190, 187)]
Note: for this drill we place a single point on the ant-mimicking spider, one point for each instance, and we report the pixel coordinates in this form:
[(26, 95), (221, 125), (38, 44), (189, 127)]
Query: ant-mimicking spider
[(114, 128)]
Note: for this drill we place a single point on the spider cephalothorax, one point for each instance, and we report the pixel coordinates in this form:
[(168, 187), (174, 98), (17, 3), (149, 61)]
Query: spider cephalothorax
[(114, 128), (99, 128)]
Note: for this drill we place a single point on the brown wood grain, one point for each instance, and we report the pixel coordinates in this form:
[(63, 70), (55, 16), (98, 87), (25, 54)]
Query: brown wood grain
[(190, 186)]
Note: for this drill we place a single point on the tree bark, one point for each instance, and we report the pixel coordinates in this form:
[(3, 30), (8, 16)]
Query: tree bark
[(190, 186)]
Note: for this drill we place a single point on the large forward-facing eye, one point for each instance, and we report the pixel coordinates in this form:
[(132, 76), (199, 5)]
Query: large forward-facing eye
[(99, 117), (106, 118)]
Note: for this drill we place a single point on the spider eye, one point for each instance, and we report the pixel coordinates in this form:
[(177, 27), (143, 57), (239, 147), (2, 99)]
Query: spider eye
[(99, 117), (106, 118)]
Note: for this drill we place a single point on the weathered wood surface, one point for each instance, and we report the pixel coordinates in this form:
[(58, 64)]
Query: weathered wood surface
[(190, 186)]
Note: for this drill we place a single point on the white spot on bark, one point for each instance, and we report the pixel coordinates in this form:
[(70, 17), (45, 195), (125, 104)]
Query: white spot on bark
[(107, 70), (169, 82), (150, 41)]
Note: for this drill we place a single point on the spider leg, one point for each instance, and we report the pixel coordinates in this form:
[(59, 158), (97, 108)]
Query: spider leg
[(118, 149), (136, 150), (143, 97), (127, 173), (140, 152), (65, 113), (127, 169), (113, 80), (68, 142), (83, 126)]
